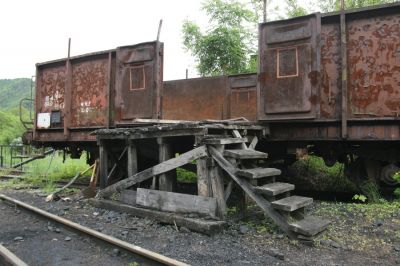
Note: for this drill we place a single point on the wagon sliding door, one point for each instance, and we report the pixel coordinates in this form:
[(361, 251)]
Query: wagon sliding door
[(289, 68), (139, 80)]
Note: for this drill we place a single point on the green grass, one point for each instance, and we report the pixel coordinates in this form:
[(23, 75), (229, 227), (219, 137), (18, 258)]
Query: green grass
[(44, 173), (185, 176)]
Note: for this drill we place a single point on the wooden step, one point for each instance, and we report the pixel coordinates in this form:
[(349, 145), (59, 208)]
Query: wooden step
[(245, 154), (274, 189), (291, 203), (254, 173), (309, 226), (224, 141)]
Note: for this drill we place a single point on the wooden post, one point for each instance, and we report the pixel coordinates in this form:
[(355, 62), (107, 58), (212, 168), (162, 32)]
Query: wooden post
[(203, 178), (166, 180), (103, 168), (132, 159), (217, 185)]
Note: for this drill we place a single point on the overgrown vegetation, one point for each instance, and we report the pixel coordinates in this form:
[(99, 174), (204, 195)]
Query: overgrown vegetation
[(397, 190), (44, 173), (185, 176), (311, 172)]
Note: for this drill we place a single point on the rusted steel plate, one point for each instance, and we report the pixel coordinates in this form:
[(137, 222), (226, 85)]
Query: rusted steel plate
[(89, 93), (58, 136), (289, 68), (243, 96), (50, 89), (138, 80), (330, 100), (374, 66), (357, 131), (195, 99)]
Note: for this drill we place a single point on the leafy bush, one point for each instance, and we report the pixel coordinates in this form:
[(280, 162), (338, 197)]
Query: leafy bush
[(397, 190)]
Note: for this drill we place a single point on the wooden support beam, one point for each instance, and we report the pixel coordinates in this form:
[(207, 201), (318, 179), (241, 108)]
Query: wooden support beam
[(228, 190), (132, 159), (198, 225), (103, 168), (253, 143), (236, 134), (167, 181), (176, 202), (161, 168), (203, 178), (263, 203), (217, 186)]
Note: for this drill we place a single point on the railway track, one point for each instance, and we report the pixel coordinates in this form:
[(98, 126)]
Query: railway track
[(146, 257)]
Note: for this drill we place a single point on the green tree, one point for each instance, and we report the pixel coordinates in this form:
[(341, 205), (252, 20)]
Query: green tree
[(294, 10), (227, 45), (334, 5)]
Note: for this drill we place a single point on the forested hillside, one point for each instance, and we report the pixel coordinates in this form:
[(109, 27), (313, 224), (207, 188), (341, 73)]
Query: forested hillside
[(11, 92)]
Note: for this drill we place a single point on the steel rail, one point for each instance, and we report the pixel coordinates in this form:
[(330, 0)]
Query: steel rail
[(7, 258), (93, 233)]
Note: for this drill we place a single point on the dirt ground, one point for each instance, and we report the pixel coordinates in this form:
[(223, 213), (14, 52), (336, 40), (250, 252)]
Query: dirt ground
[(40, 242), (359, 234)]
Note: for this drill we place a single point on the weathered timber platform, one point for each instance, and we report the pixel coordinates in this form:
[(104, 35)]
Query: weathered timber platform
[(226, 162)]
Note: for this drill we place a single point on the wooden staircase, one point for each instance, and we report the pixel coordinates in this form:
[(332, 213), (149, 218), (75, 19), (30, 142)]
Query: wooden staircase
[(287, 211)]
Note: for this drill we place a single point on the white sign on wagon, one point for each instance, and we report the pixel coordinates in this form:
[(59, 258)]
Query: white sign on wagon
[(43, 120)]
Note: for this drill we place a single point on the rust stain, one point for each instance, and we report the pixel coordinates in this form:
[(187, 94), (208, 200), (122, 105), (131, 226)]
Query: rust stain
[(89, 93), (330, 69), (51, 88), (374, 66)]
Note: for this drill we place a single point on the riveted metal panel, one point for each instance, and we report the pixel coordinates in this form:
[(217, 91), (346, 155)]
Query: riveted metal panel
[(374, 66), (89, 92), (195, 99), (139, 80), (243, 96), (289, 68)]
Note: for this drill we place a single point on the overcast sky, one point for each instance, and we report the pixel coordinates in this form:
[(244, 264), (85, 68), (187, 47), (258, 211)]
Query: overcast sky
[(35, 31)]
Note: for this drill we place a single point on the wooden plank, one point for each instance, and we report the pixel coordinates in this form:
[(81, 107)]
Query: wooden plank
[(245, 154), (263, 203), (119, 134), (132, 159), (128, 196), (274, 189), (203, 179), (166, 180), (103, 168), (208, 227), (176, 202), (217, 186), (253, 143), (236, 134), (228, 190), (224, 141), (309, 226), (259, 172), (91, 232), (7, 258), (291, 203), (163, 167)]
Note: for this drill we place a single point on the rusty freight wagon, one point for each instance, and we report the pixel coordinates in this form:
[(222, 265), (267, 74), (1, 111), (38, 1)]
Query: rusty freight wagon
[(331, 81), (326, 82)]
